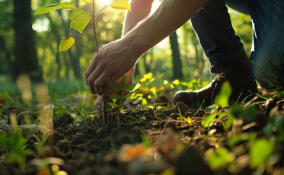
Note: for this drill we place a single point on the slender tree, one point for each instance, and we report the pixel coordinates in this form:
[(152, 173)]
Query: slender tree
[(7, 57), (177, 64), (26, 59)]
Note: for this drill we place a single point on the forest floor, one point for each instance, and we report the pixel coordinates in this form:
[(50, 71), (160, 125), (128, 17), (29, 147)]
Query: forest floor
[(157, 138)]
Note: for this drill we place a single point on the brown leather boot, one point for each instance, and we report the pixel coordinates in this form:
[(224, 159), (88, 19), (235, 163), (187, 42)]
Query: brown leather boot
[(236, 72)]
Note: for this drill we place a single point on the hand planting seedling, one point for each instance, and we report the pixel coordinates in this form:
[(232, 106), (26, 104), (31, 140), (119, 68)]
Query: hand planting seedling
[(79, 20)]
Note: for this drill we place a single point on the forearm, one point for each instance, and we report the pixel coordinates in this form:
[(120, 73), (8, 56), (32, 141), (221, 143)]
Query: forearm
[(140, 9), (169, 16)]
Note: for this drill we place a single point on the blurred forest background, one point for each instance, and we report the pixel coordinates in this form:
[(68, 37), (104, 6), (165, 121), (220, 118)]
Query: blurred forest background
[(30, 43)]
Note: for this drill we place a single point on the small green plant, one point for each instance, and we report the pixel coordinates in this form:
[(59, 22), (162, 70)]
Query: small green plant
[(181, 117), (118, 98), (146, 141), (14, 147), (260, 150), (221, 100), (39, 144), (194, 84), (236, 111), (145, 93), (219, 158)]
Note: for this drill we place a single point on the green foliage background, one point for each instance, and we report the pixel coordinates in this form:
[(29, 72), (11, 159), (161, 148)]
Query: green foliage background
[(51, 27)]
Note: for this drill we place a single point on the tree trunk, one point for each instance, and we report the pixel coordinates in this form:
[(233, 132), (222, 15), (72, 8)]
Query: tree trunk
[(56, 51), (177, 64), (3, 47), (26, 59)]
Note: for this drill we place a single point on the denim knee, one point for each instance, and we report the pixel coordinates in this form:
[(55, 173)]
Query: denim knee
[(213, 26)]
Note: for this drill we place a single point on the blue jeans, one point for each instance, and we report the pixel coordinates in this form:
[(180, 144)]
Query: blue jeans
[(213, 26)]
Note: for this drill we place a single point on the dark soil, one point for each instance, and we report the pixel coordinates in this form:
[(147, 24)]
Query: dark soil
[(94, 147)]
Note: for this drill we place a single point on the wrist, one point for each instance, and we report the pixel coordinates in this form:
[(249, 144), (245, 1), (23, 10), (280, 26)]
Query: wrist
[(136, 43)]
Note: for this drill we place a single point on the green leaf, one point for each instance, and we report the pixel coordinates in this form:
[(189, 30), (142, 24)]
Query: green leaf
[(79, 20), (154, 91), (188, 120), (236, 111), (48, 8), (232, 141), (176, 82), (15, 148), (223, 97), (66, 44), (130, 87), (260, 150), (124, 80), (113, 105), (146, 141), (133, 87), (117, 88), (144, 102), (160, 107), (279, 123), (120, 4), (208, 120), (115, 96), (143, 118), (166, 82), (250, 114), (268, 129), (149, 75), (220, 158), (228, 123)]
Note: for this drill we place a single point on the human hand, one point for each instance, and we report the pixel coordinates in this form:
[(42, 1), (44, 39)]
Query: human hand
[(102, 101), (108, 65)]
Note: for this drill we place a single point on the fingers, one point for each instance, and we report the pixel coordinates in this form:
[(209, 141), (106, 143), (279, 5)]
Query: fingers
[(92, 77), (99, 82), (91, 67), (108, 86), (99, 106)]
